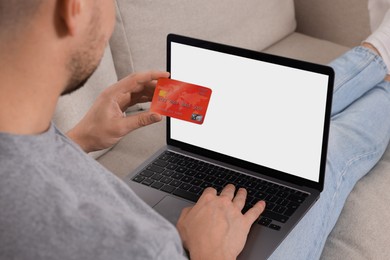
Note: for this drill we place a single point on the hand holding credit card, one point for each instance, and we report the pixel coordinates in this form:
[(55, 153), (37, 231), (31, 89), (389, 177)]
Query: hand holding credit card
[(181, 100)]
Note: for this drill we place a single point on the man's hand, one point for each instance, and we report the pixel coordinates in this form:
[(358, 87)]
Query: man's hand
[(214, 228), (105, 123)]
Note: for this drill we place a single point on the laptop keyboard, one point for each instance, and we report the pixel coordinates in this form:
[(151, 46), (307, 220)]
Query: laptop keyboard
[(187, 177)]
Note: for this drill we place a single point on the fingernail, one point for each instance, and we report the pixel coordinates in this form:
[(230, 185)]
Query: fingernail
[(155, 117)]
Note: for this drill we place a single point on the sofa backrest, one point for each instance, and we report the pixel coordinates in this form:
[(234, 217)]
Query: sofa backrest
[(139, 39)]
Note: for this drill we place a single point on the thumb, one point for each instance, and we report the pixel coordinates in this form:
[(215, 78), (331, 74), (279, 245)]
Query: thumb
[(142, 119)]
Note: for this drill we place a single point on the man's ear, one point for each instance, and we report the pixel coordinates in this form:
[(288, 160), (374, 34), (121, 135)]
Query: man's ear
[(70, 11)]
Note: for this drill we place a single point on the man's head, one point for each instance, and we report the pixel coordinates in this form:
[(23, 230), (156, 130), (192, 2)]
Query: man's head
[(80, 30), (85, 59)]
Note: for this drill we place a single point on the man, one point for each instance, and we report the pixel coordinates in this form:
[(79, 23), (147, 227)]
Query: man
[(58, 203)]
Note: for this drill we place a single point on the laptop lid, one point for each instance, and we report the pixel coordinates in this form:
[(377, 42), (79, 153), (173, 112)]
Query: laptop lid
[(268, 114)]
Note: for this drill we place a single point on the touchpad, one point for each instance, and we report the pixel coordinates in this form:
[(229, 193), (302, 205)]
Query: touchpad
[(171, 207)]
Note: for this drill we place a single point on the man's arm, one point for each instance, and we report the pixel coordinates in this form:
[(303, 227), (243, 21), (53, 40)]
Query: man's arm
[(105, 123)]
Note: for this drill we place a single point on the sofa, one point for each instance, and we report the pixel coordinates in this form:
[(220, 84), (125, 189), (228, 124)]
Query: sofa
[(316, 31)]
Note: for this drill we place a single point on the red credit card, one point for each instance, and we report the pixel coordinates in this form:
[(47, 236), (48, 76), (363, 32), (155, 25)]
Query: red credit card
[(181, 100)]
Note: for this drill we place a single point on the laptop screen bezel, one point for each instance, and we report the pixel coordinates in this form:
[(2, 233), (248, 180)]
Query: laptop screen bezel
[(322, 69)]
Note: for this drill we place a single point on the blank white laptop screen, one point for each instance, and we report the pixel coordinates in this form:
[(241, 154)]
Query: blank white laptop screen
[(259, 112)]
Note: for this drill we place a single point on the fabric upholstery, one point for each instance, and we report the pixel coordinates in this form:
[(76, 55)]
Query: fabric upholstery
[(345, 22), (303, 47), (142, 27)]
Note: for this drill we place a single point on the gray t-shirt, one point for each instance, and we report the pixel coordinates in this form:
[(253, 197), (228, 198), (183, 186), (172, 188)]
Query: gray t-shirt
[(58, 203)]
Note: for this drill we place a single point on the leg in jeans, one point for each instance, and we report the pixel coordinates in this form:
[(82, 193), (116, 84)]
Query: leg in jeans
[(359, 134)]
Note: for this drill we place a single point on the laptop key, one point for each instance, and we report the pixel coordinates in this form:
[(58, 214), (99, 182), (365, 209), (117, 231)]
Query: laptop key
[(138, 178), (191, 172), (204, 185), (272, 190), (282, 202), (282, 194), (272, 199), (185, 186), (230, 178), (168, 173), (269, 205), (186, 195), (291, 208), (174, 160), (262, 187), (197, 182), (210, 178), (177, 176), (157, 177), (165, 157), (147, 173), (168, 188), (155, 168), (166, 180), (274, 227), (195, 189), (176, 183), (157, 185), (274, 216), (160, 163), (279, 209), (192, 166), (187, 179), (148, 182), (264, 221), (296, 198), (183, 163), (181, 169), (260, 195), (171, 166), (219, 182), (200, 175)]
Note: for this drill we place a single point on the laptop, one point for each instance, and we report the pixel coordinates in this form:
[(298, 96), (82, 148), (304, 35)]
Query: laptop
[(266, 130)]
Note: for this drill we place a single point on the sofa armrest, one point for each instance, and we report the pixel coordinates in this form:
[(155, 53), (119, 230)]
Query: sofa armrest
[(345, 22)]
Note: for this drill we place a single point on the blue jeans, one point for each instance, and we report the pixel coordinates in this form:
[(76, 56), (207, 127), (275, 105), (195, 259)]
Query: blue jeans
[(359, 135)]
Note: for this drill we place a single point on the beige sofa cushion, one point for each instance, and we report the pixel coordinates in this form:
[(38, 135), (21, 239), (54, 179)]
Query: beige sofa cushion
[(71, 108), (139, 40), (302, 47)]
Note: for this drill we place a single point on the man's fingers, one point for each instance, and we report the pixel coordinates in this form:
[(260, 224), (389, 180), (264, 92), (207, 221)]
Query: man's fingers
[(253, 213), (240, 198), (145, 77), (185, 211), (147, 118), (126, 100), (137, 81), (228, 191), (135, 88), (123, 100), (139, 120), (208, 193)]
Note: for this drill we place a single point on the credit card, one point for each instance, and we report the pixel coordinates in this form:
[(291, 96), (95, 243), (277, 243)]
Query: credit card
[(181, 100)]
